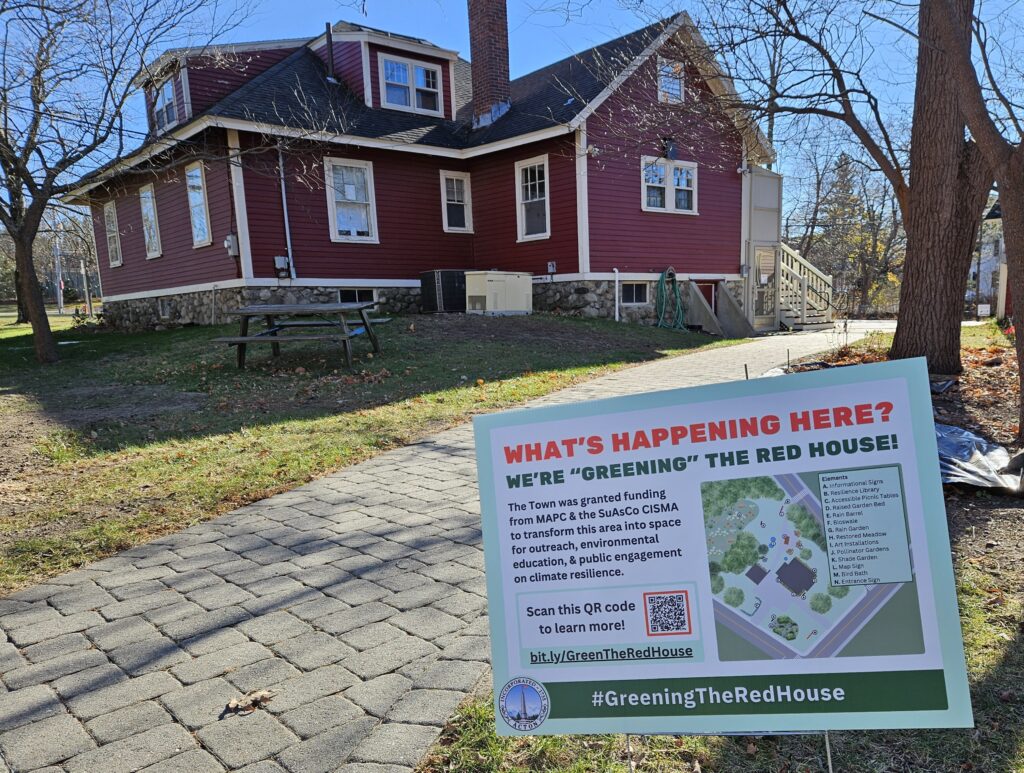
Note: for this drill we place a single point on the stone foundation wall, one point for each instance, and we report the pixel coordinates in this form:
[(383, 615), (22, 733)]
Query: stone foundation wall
[(213, 307), (596, 299)]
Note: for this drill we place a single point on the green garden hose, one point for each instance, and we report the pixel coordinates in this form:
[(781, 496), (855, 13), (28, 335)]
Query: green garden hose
[(668, 289)]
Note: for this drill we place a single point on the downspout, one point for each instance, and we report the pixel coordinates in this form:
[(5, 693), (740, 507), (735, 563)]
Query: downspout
[(616, 271), (284, 211)]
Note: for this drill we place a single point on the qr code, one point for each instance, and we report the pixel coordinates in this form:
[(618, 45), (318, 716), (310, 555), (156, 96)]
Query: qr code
[(668, 613)]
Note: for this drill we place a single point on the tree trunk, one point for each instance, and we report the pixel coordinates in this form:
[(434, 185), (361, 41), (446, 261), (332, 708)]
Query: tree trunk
[(949, 184), (1011, 203), (31, 295), (22, 317)]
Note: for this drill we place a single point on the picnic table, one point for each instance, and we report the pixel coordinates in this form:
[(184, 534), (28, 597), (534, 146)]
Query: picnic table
[(281, 317)]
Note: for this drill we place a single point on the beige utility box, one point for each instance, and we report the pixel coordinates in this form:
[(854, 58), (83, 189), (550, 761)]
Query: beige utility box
[(499, 292)]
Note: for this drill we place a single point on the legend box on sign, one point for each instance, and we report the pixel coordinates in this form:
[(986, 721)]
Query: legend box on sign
[(865, 526)]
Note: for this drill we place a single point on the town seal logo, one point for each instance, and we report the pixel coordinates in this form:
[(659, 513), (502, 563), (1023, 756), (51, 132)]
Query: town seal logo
[(524, 704)]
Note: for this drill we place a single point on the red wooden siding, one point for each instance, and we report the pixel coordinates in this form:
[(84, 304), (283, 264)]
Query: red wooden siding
[(624, 236), (494, 210), (212, 77), (179, 264), (408, 196), (348, 63), (443, 64)]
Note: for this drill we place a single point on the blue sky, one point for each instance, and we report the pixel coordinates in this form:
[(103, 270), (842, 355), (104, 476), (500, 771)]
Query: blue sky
[(536, 38)]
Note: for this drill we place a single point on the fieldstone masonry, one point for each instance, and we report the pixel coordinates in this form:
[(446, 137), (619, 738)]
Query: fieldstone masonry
[(213, 307), (358, 600)]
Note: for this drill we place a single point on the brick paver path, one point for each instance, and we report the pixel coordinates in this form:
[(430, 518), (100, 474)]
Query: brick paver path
[(358, 600)]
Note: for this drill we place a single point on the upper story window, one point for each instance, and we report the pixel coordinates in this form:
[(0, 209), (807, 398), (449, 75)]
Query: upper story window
[(165, 113), (456, 204), (669, 186), (409, 85), (351, 200), (150, 226), (198, 209), (533, 209), (671, 81), (113, 235)]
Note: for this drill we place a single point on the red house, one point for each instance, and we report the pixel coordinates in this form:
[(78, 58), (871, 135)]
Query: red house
[(347, 164)]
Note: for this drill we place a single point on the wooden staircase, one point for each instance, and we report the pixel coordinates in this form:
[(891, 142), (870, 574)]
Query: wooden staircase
[(805, 294)]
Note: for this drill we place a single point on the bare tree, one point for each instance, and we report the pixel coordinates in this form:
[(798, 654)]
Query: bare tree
[(991, 102), (67, 73), (831, 70)]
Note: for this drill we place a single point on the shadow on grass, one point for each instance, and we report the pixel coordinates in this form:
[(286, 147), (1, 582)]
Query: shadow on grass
[(143, 434), (114, 381)]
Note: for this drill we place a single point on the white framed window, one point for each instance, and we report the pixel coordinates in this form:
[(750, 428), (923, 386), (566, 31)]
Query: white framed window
[(165, 111), (668, 186), (198, 207), (633, 293), (150, 225), (456, 202), (351, 200), (357, 295), (671, 81), (533, 205), (163, 308), (406, 84), (113, 234)]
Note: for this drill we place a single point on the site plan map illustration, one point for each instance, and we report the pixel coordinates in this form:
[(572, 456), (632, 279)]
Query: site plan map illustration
[(811, 565)]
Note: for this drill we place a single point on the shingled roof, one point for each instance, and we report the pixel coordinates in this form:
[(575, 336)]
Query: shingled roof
[(295, 95)]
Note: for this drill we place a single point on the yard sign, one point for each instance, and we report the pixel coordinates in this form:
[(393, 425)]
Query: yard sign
[(758, 556)]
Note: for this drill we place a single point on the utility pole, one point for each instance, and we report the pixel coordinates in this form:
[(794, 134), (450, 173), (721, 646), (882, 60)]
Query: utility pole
[(58, 271), (88, 290)]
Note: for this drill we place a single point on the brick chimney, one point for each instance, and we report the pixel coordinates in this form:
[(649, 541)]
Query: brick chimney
[(488, 50)]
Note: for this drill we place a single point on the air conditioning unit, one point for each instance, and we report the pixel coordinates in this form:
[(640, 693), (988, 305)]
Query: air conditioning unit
[(443, 290), (499, 292)]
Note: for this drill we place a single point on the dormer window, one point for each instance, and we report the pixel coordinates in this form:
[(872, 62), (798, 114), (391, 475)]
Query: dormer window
[(409, 85), (164, 112)]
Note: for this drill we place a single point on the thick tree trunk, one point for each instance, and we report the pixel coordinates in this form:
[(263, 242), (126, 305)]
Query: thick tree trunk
[(22, 317), (31, 295), (1011, 202), (949, 183)]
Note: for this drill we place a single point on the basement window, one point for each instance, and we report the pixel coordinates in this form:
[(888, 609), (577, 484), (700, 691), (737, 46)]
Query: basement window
[(633, 293), (406, 84), (357, 295)]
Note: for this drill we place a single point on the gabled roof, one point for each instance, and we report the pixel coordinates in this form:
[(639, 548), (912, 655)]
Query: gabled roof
[(294, 97)]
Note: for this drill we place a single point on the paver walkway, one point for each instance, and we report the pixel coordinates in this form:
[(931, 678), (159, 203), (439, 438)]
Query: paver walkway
[(358, 600)]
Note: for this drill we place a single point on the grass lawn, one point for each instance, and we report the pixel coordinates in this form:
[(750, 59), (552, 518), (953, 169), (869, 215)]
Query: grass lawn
[(132, 436), (987, 534)]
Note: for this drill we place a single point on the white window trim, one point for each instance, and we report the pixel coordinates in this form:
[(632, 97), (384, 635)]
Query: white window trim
[(647, 293), (169, 81), (373, 290), (331, 161), (520, 220), (663, 95), (670, 198), (112, 206), (467, 191), (412, 64), (206, 205), (156, 222)]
